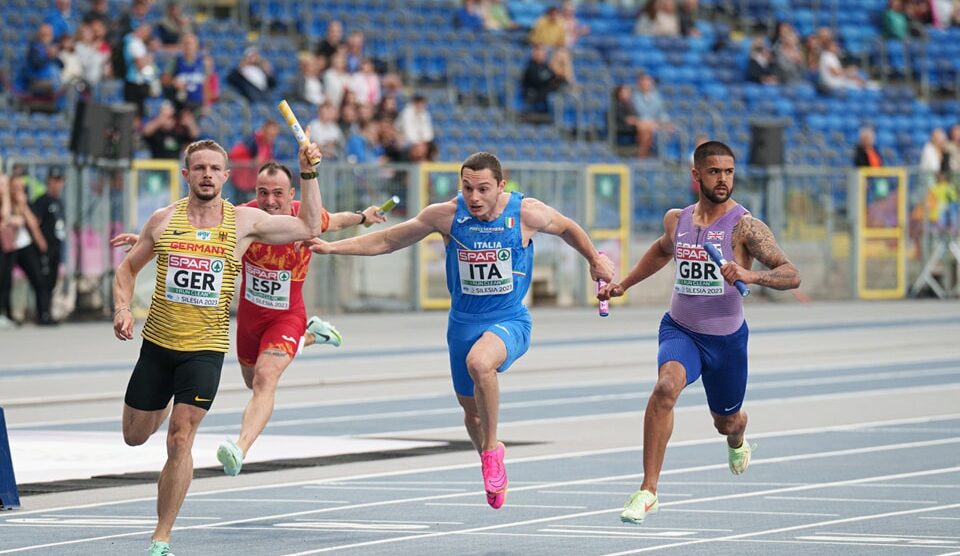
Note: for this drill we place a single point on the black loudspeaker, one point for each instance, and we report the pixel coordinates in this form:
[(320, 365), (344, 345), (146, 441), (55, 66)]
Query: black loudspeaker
[(102, 131), (766, 143)]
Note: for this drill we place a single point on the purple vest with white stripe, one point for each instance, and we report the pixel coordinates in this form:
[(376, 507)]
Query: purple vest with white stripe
[(703, 301)]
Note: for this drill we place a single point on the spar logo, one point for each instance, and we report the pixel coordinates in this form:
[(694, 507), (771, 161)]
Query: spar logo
[(264, 274), (483, 255)]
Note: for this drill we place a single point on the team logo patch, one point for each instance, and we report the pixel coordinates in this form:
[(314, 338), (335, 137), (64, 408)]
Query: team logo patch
[(717, 236), (203, 234), (222, 236), (510, 221)]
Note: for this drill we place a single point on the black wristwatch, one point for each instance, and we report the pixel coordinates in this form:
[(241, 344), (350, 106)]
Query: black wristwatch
[(363, 217), (308, 175)]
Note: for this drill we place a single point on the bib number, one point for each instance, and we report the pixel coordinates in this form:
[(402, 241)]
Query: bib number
[(194, 280), (485, 271), (696, 273), (269, 289)]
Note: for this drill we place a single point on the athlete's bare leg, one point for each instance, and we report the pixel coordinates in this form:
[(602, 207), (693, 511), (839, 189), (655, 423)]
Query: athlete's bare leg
[(309, 339), (658, 421), (178, 471), (270, 365), (733, 426), (139, 425), (486, 355)]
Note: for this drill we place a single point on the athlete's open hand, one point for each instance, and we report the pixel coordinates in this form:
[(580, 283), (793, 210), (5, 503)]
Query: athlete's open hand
[(123, 324), (609, 290), (319, 246), (124, 240), (601, 268)]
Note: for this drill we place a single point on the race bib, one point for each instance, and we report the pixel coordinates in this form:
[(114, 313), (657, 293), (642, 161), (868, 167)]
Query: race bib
[(194, 280), (696, 273), (485, 271), (267, 288)]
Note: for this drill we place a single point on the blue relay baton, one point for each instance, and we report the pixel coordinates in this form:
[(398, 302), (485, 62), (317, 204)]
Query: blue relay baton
[(715, 255)]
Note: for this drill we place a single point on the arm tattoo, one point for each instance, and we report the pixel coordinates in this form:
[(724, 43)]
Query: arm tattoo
[(760, 244)]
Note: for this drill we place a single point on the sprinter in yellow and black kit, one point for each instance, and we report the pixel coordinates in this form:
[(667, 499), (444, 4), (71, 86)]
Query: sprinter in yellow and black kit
[(198, 242)]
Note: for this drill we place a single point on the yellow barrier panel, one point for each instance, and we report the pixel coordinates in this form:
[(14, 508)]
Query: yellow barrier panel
[(608, 218), (439, 182), (881, 233), (153, 184)]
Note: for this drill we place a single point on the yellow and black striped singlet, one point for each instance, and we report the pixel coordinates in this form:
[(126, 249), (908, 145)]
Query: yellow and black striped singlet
[(196, 272)]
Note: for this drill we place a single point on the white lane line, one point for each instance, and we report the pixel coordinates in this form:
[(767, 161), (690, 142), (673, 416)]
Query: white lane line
[(538, 506), (600, 492), (867, 500), (380, 488), (266, 500), (739, 512), (911, 445), (706, 499)]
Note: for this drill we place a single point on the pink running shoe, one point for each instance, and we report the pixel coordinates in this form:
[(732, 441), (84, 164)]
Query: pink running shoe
[(494, 475)]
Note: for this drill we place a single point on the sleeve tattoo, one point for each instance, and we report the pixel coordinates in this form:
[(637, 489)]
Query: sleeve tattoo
[(761, 245)]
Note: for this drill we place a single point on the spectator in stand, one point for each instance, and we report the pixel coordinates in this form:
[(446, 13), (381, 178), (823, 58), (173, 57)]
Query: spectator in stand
[(253, 77), (469, 16), (90, 52), (920, 12), (416, 129), (574, 29), (932, 156), (788, 63), (760, 68), (23, 244), (170, 131), (865, 154), (625, 115), (326, 132), (142, 78), (5, 239), (62, 19), (364, 147), (173, 26), (952, 153), (211, 83), (71, 72), (186, 74), (348, 120), (388, 109), (336, 78), (354, 48), (129, 20), (496, 16), (538, 81), (658, 18), (651, 113), (895, 24), (43, 64), (365, 84), (834, 77), (688, 18), (549, 29), (561, 64), (394, 147), (97, 10), (331, 40), (251, 153), (308, 86), (815, 44)]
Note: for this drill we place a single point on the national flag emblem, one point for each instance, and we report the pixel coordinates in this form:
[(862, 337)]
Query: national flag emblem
[(714, 236), (510, 222)]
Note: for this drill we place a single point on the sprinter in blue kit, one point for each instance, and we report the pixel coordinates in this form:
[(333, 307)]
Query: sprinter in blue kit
[(489, 252)]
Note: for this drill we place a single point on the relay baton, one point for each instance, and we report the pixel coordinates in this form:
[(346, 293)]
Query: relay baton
[(291, 119), (718, 258), (385, 208), (604, 307)]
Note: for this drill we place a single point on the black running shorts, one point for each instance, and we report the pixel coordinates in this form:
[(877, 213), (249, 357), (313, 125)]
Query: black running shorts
[(190, 377)]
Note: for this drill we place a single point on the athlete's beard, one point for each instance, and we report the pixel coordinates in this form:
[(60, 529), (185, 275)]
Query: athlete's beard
[(204, 196), (713, 196)]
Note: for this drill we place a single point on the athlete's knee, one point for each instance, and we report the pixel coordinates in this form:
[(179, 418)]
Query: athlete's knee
[(179, 441), (479, 365), (135, 436), (265, 380), (667, 389)]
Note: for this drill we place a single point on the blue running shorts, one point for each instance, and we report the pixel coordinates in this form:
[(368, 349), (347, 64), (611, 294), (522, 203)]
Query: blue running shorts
[(720, 360), (464, 329)]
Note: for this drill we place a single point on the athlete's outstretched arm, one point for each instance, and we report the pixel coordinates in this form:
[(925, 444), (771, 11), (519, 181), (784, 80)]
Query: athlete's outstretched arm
[(125, 277), (341, 220), (656, 257), (759, 243), (540, 217), (434, 218)]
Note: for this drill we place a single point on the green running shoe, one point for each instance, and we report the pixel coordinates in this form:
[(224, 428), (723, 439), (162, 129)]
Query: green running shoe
[(640, 504), (739, 458), (230, 455), (324, 332), (159, 548)]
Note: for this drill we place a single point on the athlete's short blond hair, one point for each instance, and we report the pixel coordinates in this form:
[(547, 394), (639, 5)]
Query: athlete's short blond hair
[(203, 145)]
